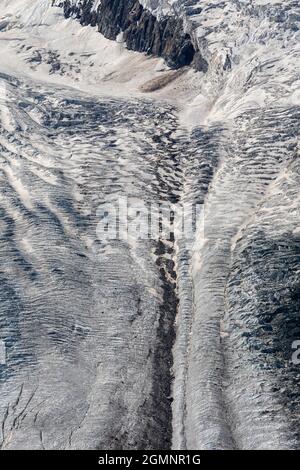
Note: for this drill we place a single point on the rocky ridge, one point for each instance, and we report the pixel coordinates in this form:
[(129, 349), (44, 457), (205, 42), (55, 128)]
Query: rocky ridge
[(139, 29)]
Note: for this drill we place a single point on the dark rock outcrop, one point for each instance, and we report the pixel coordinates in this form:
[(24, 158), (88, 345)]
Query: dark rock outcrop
[(141, 30)]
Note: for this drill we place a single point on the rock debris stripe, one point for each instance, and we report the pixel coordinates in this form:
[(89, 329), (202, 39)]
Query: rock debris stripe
[(141, 30)]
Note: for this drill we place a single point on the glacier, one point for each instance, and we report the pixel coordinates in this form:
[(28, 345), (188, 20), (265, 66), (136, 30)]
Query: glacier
[(182, 343)]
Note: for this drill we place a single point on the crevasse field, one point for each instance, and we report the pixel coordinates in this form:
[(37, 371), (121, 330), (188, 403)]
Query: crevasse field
[(150, 342)]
